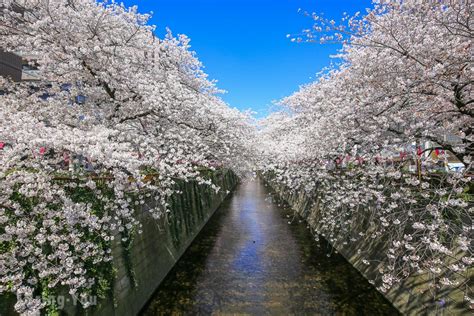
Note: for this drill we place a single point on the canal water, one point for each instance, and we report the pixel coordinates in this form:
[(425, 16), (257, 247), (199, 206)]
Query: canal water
[(254, 258)]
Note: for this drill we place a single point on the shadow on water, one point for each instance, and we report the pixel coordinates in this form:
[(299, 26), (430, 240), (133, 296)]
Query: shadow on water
[(249, 260)]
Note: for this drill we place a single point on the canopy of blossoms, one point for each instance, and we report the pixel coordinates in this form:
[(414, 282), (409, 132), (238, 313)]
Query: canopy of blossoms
[(376, 137), (116, 116)]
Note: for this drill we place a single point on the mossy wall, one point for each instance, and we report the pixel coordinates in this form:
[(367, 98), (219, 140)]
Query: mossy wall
[(153, 253), (411, 297)]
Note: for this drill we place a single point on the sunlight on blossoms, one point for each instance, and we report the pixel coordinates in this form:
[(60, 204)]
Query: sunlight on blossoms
[(102, 118)]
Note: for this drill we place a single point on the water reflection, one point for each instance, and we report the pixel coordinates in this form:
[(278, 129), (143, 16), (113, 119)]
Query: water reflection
[(249, 260)]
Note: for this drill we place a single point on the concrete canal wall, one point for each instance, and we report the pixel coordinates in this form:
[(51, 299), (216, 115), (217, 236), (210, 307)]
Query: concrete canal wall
[(154, 252), (411, 297)]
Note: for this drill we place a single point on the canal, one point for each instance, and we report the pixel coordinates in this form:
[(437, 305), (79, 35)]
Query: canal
[(254, 258)]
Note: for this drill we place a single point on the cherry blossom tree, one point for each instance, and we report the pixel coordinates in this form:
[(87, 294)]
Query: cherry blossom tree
[(368, 138), (73, 172)]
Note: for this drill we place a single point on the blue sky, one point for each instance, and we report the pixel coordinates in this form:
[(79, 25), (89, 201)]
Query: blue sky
[(243, 44)]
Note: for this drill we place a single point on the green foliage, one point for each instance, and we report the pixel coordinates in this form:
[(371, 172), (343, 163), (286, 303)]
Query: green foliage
[(205, 172), (49, 295), (127, 241)]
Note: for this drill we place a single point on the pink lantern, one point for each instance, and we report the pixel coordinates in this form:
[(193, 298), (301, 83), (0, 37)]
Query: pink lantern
[(66, 157), (419, 151)]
